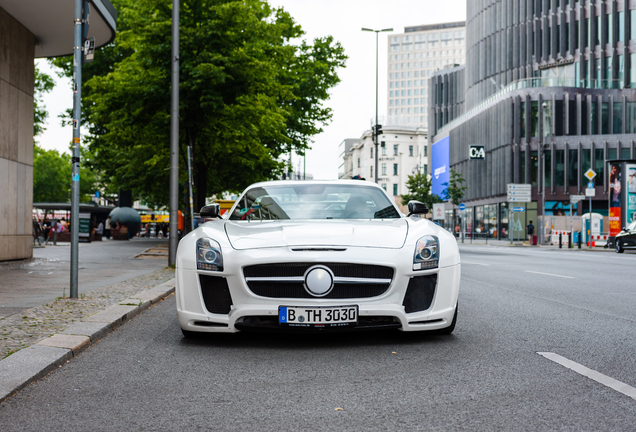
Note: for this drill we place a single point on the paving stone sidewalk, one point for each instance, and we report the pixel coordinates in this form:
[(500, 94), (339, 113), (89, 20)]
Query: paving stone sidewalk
[(33, 325)]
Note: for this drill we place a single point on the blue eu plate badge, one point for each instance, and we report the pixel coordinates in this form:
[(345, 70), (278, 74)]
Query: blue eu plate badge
[(282, 314)]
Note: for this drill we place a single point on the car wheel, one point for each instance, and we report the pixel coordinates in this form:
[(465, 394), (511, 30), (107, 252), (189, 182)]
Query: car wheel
[(619, 247), (448, 330)]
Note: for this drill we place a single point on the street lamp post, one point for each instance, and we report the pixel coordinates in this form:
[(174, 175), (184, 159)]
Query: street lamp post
[(376, 127), (546, 116)]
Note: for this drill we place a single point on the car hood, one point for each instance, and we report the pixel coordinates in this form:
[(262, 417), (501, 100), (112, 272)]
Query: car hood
[(389, 234)]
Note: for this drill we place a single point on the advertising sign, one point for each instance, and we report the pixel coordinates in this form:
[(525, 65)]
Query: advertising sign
[(85, 225), (438, 212), (440, 166), (477, 152), (631, 193), (615, 187)]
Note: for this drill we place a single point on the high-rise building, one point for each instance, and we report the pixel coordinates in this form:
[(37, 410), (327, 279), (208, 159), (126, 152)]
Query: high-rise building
[(413, 57), (548, 90)]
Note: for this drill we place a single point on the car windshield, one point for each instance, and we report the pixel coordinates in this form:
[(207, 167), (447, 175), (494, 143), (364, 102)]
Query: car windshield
[(314, 201)]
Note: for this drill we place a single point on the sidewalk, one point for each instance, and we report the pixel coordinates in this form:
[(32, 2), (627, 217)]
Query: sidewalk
[(41, 328), (507, 243)]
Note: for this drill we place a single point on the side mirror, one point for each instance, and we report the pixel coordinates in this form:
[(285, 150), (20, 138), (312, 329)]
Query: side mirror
[(210, 211), (416, 207)]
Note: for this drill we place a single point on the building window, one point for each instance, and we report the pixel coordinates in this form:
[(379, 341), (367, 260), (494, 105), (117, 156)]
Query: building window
[(358, 162), (371, 171), (630, 127), (384, 169), (425, 151), (547, 175), (534, 167), (593, 118), (599, 164), (391, 102), (617, 118), (605, 117), (395, 149), (410, 150), (384, 186), (395, 189), (609, 28), (384, 150), (534, 117), (559, 168), (573, 167), (523, 119), (395, 169), (621, 27), (371, 152)]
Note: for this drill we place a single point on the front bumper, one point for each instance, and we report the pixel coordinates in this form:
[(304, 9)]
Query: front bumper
[(251, 312)]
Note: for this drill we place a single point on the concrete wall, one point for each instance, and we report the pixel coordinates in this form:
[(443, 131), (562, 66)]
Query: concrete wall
[(17, 47)]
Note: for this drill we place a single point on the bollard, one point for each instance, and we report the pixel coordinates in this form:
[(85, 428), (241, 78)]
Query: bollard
[(560, 241), (570, 240), (580, 238)]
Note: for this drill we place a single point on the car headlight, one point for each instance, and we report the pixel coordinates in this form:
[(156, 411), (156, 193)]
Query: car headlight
[(426, 253), (209, 255)]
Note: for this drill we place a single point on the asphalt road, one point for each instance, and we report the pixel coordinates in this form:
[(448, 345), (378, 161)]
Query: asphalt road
[(28, 283), (488, 375)]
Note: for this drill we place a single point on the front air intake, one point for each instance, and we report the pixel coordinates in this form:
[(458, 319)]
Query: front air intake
[(419, 293), (216, 294)]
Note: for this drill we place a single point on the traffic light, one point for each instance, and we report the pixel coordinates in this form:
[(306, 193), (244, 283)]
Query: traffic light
[(377, 129)]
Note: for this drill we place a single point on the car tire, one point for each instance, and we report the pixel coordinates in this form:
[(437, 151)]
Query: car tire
[(448, 330), (619, 247)]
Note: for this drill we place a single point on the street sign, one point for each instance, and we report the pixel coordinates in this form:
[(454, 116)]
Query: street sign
[(519, 186), (462, 206), (518, 209), (438, 211), (590, 174), (519, 198), (590, 184), (519, 193), (590, 192), (576, 198)]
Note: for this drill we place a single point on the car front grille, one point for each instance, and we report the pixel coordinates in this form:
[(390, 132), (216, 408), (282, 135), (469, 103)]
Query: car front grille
[(285, 280)]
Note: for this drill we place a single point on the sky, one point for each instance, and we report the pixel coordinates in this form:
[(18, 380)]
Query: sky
[(352, 100)]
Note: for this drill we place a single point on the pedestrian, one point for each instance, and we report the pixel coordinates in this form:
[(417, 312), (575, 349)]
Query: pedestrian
[(530, 229), (107, 228)]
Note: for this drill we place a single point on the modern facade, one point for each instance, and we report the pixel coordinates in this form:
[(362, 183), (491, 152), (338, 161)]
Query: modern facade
[(414, 56), (31, 29), (549, 89), (403, 152)]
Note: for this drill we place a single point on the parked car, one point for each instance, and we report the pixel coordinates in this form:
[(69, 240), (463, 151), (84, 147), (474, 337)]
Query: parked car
[(626, 239), (317, 256)]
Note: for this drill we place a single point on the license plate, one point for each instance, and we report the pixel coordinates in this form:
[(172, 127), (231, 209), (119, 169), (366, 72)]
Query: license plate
[(327, 316)]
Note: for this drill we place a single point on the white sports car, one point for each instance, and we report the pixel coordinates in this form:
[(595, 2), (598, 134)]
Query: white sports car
[(317, 256)]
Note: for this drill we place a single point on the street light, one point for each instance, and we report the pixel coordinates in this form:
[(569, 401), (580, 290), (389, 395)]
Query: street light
[(547, 120), (377, 129)]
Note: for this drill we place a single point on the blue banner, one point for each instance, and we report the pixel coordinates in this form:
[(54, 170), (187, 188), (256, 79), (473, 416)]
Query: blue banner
[(440, 168)]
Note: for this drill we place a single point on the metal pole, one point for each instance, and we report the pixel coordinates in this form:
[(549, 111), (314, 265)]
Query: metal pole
[(75, 148), (589, 235), (190, 187), (174, 139), (375, 132), (571, 232)]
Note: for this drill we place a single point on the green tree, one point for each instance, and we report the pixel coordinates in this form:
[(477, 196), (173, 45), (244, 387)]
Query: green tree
[(51, 176), (419, 187), (454, 190), (43, 84), (249, 93)]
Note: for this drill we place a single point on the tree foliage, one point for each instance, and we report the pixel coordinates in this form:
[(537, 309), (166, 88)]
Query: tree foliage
[(249, 92), (419, 187), (454, 190), (43, 84), (52, 177)]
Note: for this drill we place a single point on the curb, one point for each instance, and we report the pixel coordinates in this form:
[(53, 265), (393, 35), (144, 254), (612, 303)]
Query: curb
[(31, 363)]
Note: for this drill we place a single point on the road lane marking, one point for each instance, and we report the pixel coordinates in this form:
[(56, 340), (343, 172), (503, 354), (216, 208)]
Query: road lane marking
[(610, 382), (468, 262), (550, 274)]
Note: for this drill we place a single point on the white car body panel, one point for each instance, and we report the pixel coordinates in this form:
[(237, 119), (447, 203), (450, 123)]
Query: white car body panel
[(383, 242)]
